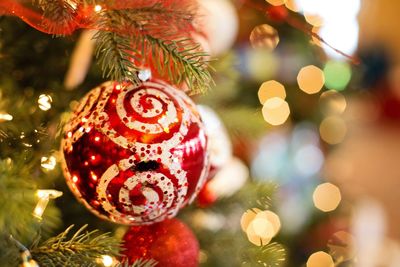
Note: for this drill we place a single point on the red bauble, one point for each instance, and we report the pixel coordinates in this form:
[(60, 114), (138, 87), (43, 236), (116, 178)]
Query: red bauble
[(206, 197), (135, 154), (171, 243)]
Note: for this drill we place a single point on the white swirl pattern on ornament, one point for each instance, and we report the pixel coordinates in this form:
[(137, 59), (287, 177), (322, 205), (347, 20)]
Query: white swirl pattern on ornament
[(150, 109)]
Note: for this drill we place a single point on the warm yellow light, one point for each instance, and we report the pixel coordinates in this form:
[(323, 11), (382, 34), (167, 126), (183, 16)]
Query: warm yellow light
[(332, 103), (48, 193), (320, 259), (314, 19), (44, 102), (333, 130), (255, 238), (48, 163), (276, 111), (271, 89), (262, 228), (247, 217), (327, 197), (264, 36), (107, 260), (44, 198), (291, 5), (311, 79), (5, 117), (97, 8), (276, 2), (272, 218)]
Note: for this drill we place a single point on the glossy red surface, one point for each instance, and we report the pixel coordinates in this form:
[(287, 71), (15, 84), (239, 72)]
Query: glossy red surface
[(135, 155), (171, 243)]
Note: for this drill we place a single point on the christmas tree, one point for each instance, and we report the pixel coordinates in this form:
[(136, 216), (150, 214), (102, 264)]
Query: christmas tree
[(169, 133)]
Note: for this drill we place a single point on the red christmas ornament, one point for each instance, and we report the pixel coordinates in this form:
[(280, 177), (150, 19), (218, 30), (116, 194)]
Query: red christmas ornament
[(135, 154), (206, 197), (171, 243)]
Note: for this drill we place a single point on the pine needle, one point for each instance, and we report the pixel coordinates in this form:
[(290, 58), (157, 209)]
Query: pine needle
[(82, 249)]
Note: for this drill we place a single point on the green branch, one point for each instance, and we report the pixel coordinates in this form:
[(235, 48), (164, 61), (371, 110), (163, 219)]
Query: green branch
[(82, 249)]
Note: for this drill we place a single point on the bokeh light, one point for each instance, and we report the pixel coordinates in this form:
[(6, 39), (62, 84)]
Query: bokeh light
[(271, 89), (276, 2), (320, 259), (339, 19), (44, 102), (332, 103), (327, 197), (308, 160), (260, 226), (264, 36), (313, 19), (276, 111), (247, 217), (347, 29), (333, 130), (311, 79), (272, 218), (337, 75), (291, 5), (255, 64)]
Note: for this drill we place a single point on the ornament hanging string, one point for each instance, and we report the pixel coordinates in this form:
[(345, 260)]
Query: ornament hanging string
[(87, 16)]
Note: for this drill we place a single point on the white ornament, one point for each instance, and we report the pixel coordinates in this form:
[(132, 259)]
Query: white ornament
[(219, 21), (219, 143)]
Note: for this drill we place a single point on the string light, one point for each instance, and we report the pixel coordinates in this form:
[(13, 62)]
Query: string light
[(5, 117), (48, 163), (97, 8), (320, 259), (311, 79), (107, 260), (276, 111), (327, 197), (332, 103), (44, 102), (44, 198), (271, 89)]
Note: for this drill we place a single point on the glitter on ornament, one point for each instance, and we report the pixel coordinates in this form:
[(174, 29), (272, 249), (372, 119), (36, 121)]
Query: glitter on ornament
[(171, 243), (135, 154)]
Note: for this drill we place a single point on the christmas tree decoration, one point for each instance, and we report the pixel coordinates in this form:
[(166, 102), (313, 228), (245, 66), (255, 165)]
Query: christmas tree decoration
[(227, 181), (219, 144), (219, 22), (135, 154), (171, 243)]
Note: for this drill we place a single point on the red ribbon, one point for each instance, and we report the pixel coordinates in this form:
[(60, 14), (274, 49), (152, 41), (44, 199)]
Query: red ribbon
[(83, 17)]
